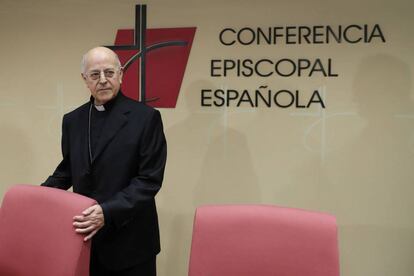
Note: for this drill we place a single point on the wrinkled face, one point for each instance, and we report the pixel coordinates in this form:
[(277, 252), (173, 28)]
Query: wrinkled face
[(102, 74)]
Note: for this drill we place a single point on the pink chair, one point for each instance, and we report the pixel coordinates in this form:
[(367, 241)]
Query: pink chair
[(36, 233), (261, 240)]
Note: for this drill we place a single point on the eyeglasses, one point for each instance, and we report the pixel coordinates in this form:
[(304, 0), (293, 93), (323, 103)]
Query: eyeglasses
[(95, 75)]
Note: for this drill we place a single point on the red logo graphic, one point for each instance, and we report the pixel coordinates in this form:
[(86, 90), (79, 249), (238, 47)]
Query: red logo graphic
[(154, 60)]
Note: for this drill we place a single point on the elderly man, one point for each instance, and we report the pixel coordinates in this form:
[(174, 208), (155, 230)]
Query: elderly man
[(114, 151)]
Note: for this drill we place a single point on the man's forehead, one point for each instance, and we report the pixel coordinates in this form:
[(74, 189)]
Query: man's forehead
[(100, 62), (100, 66)]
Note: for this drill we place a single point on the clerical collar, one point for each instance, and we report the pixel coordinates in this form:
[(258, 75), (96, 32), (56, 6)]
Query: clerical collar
[(106, 106), (99, 107)]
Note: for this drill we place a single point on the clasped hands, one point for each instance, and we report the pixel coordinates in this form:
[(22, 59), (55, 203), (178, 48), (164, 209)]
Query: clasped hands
[(89, 222)]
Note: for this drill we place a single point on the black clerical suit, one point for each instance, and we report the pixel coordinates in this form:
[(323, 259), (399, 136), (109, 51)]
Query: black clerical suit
[(123, 173)]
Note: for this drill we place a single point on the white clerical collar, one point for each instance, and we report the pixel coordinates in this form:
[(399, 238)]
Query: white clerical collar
[(99, 107)]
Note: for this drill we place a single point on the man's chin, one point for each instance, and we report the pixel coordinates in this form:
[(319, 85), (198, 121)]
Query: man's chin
[(102, 98)]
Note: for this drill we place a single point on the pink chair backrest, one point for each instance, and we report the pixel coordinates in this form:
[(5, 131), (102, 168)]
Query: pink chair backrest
[(36, 233), (262, 240)]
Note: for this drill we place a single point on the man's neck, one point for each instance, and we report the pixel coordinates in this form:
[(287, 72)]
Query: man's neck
[(96, 102), (106, 104)]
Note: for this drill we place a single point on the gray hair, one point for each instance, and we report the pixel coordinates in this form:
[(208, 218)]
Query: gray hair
[(83, 62)]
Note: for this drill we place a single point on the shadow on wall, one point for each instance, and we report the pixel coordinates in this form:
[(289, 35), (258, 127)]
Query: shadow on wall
[(208, 163), (227, 173), (369, 183), (187, 145)]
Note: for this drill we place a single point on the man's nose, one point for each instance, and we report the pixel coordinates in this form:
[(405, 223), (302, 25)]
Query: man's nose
[(102, 78)]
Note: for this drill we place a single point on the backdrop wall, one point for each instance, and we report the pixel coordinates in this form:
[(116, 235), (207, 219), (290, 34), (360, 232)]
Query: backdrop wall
[(353, 158)]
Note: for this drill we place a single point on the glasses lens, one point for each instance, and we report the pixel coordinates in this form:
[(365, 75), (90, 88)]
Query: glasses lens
[(109, 73), (95, 75)]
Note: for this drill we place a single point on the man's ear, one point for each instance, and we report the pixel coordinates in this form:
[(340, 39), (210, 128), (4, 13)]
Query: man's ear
[(85, 80), (83, 77), (121, 74)]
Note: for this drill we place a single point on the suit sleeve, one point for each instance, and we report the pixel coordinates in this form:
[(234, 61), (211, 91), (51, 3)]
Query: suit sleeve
[(61, 178), (142, 188)]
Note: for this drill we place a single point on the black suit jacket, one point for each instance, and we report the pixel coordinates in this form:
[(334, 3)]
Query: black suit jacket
[(125, 174)]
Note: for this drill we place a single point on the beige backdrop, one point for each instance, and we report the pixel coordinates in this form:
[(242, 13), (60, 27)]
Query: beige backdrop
[(354, 159)]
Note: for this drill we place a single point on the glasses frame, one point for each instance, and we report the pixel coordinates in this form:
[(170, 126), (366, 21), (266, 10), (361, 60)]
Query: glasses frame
[(108, 73)]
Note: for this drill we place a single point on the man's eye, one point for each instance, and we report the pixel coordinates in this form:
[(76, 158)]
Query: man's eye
[(109, 73), (94, 75)]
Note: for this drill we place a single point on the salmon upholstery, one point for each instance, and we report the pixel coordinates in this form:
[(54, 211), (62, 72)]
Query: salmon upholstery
[(37, 237), (263, 240)]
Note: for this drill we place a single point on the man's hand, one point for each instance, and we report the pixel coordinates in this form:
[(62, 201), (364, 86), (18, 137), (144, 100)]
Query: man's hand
[(91, 220)]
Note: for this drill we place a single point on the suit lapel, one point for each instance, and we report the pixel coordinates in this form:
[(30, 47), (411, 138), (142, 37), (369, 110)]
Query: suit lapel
[(115, 121)]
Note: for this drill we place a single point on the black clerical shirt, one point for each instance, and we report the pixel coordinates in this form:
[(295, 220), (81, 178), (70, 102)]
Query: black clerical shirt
[(98, 117)]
